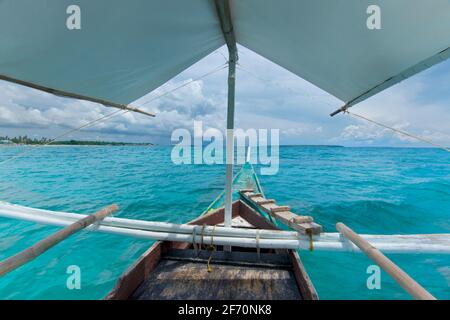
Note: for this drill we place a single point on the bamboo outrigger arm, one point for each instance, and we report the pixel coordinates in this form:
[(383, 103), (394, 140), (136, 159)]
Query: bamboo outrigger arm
[(66, 94), (270, 239), (400, 276), (37, 249)]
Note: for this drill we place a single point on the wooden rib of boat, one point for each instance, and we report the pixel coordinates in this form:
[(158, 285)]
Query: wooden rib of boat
[(174, 270)]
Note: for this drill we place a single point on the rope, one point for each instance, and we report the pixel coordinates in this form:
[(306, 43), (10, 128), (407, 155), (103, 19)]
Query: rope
[(186, 83), (211, 248), (202, 237), (305, 94), (311, 243), (258, 250), (398, 131), (193, 240), (108, 116)]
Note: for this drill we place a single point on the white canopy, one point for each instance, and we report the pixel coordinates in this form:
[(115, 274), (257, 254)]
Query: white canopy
[(125, 49)]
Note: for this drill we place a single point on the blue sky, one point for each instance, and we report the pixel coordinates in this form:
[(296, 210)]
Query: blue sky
[(267, 96)]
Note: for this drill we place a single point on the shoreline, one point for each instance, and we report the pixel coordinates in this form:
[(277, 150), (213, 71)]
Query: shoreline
[(74, 145)]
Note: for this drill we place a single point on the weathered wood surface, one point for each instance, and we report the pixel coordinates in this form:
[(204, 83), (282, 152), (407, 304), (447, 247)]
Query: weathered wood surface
[(302, 224), (254, 218), (175, 280), (152, 261), (306, 287), (264, 259), (400, 276), (139, 271), (238, 222), (37, 249)]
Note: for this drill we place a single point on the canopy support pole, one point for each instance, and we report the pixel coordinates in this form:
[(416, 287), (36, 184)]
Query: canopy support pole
[(223, 11), (230, 145), (66, 94)]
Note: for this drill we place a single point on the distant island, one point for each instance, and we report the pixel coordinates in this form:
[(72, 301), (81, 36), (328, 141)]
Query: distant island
[(42, 141)]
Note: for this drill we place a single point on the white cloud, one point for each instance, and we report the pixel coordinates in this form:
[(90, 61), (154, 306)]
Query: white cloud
[(267, 96), (35, 111), (402, 108)]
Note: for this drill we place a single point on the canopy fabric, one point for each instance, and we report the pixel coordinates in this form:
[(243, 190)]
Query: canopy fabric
[(125, 49), (328, 43)]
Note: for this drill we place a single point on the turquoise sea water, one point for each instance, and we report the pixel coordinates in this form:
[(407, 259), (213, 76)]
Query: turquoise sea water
[(372, 190)]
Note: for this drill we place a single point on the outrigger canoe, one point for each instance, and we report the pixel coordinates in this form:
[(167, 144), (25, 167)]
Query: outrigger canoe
[(344, 56)]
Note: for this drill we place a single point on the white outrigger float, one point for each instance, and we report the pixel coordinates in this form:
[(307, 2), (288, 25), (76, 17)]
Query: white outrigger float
[(325, 42)]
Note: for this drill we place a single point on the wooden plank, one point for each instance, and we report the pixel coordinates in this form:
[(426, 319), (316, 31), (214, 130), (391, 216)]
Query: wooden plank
[(254, 218), (304, 282), (264, 201), (255, 195), (264, 259), (130, 280), (308, 227), (302, 219), (37, 249), (180, 280), (400, 276), (238, 222), (279, 209), (302, 224)]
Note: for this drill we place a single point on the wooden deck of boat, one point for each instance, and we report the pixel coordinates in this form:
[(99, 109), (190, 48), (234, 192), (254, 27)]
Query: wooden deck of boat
[(239, 275), (170, 270)]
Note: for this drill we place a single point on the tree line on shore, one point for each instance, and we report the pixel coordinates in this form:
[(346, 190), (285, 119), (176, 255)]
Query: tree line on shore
[(34, 141)]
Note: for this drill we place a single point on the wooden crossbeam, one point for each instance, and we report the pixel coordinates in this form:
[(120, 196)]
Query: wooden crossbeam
[(280, 209), (303, 224), (246, 190), (265, 201)]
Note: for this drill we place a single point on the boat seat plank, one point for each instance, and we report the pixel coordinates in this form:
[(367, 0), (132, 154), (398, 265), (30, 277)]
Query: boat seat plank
[(268, 260), (173, 270), (176, 280)]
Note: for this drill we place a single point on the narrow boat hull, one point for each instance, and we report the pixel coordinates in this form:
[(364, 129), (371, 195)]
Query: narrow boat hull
[(171, 270)]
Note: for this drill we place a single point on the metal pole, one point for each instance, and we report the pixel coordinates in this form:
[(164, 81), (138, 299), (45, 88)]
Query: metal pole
[(76, 96), (230, 142), (224, 14)]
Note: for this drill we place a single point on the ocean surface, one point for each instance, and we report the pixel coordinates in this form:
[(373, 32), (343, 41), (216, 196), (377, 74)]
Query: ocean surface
[(372, 190)]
